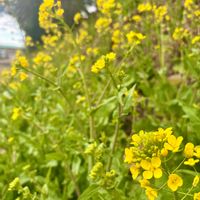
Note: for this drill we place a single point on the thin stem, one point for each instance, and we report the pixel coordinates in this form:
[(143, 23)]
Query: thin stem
[(74, 181), (187, 193), (115, 138), (112, 78), (178, 165)]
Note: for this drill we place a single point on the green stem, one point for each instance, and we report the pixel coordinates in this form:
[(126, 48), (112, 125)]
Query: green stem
[(115, 138), (178, 165)]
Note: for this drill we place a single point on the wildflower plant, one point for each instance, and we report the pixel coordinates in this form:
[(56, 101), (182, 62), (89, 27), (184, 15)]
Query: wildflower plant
[(77, 110)]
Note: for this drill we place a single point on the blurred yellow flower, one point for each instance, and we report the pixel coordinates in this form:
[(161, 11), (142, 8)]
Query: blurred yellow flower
[(99, 64), (144, 7), (77, 18), (135, 38), (15, 113), (195, 39), (23, 76)]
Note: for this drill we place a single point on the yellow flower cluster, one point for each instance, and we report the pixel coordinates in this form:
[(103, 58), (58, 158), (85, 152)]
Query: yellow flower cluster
[(102, 24), (144, 7), (105, 6), (147, 151), (191, 151), (160, 12), (134, 38), (50, 40), (188, 4), (45, 19), (116, 38), (42, 58), (180, 33), (92, 51), (74, 62), (101, 62), (22, 61)]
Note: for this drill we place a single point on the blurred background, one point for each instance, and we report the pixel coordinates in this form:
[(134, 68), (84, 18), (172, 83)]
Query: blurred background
[(19, 18)]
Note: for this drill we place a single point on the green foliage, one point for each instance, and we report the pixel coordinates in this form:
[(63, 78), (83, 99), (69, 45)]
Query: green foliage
[(64, 128)]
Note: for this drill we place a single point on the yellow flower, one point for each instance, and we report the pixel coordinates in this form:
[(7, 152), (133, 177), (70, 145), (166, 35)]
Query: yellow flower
[(136, 18), (135, 170), (105, 6), (197, 196), (110, 56), (77, 18), (15, 113), (29, 41), (160, 12), (174, 181), (191, 162), (13, 70), (134, 38), (144, 183), (128, 155), (144, 7), (188, 4), (173, 143), (60, 12), (22, 61), (102, 23), (151, 193), (180, 33), (197, 151), (151, 168), (195, 181), (195, 39), (23, 76), (100, 64), (42, 58), (164, 152), (189, 150)]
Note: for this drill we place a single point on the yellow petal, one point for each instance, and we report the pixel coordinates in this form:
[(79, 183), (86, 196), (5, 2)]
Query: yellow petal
[(147, 174), (157, 173)]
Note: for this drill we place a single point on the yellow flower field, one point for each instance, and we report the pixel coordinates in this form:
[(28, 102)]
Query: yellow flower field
[(108, 108)]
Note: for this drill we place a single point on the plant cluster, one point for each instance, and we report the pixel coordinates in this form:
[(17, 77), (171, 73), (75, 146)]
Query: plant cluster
[(78, 113)]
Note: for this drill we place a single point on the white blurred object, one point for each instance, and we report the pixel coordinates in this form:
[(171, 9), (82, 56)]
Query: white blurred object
[(11, 36)]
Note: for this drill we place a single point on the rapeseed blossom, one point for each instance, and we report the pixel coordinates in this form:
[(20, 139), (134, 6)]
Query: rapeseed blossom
[(102, 23), (134, 38), (174, 182), (145, 155), (144, 7)]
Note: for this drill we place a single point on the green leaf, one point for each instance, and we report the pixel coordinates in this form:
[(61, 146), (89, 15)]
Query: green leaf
[(89, 192)]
